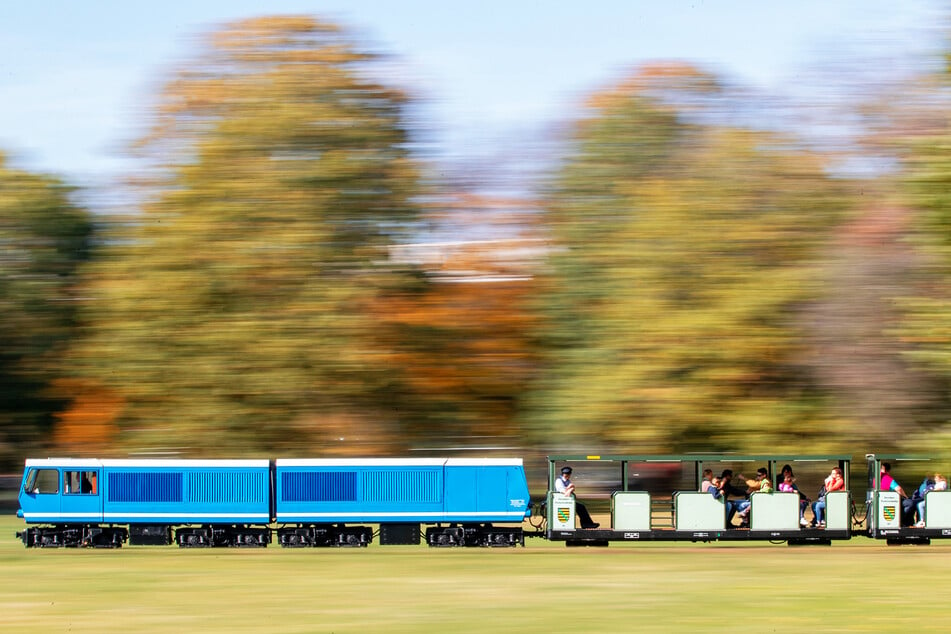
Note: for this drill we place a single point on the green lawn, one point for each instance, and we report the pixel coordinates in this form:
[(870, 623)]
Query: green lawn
[(857, 586)]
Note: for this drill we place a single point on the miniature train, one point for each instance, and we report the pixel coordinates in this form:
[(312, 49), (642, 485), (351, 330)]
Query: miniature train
[(461, 501)]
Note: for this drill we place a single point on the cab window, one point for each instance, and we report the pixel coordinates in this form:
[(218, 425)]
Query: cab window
[(79, 482), (42, 481)]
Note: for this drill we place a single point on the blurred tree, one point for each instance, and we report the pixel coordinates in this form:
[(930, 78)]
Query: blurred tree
[(44, 239), (234, 314), (466, 350), (466, 360), (686, 253), (858, 353), (87, 426), (923, 131)]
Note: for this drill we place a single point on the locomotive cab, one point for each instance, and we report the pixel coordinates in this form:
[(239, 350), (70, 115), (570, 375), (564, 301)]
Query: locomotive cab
[(60, 491), (62, 497)]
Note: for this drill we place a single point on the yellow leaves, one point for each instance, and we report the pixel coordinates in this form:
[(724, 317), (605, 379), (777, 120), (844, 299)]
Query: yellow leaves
[(279, 28), (685, 251), (651, 80), (257, 67)]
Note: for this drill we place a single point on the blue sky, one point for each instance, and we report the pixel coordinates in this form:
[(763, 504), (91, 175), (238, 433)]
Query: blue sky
[(75, 76)]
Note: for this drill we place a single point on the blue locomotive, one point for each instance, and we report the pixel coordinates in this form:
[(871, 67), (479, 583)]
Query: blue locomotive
[(200, 503)]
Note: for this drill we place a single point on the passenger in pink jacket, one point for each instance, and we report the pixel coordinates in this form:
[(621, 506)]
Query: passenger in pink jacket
[(834, 482)]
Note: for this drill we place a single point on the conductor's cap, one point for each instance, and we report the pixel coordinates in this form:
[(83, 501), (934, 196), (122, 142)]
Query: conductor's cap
[(566, 469)]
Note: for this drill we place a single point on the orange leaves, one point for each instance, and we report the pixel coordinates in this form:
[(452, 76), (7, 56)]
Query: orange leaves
[(464, 348), (87, 427)]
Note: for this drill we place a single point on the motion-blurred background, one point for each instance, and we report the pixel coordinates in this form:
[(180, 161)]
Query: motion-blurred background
[(294, 255)]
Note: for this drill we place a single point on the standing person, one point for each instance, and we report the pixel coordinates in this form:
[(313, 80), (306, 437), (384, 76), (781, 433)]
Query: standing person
[(565, 486), (833, 482)]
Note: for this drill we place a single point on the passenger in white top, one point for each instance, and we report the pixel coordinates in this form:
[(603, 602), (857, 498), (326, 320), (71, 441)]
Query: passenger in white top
[(565, 486), (708, 481)]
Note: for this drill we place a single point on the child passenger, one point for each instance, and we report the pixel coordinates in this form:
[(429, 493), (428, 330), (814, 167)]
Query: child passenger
[(708, 481), (786, 486)]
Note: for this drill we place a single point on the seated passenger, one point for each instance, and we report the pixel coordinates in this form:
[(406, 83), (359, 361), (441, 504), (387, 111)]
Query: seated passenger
[(803, 500), (909, 506), (938, 483), (833, 482), (786, 486), (724, 488), (760, 484), (888, 483), (565, 486), (708, 481)]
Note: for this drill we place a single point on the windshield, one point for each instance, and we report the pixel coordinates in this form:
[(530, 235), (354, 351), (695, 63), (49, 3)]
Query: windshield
[(30, 480)]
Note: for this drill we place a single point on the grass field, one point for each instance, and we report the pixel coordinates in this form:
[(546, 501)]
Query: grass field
[(856, 586)]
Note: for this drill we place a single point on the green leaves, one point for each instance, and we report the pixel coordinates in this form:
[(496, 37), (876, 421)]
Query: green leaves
[(43, 240), (705, 286), (237, 305), (685, 252)]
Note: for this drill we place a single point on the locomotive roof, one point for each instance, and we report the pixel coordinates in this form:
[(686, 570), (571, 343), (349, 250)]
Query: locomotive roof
[(398, 462), (722, 457), (141, 462), (80, 463)]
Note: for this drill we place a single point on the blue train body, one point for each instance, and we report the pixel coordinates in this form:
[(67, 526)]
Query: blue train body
[(400, 494), (382, 490), (78, 502), (148, 495)]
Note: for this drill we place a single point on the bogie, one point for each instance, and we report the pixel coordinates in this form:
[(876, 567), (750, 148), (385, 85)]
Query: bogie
[(325, 536), (474, 535), (440, 536), (104, 537), (251, 537), (74, 536), (223, 536)]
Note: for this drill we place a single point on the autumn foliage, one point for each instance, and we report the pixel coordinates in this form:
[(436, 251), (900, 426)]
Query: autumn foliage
[(294, 279)]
